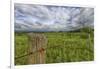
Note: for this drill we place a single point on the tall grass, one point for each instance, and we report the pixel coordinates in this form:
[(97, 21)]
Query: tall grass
[(61, 47)]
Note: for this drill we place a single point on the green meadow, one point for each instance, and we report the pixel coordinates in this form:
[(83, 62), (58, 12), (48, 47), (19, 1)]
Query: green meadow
[(61, 47)]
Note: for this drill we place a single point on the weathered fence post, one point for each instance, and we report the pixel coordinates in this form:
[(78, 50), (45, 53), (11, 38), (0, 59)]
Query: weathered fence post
[(37, 45)]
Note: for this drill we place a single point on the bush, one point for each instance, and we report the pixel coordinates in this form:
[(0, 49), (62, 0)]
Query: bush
[(87, 30)]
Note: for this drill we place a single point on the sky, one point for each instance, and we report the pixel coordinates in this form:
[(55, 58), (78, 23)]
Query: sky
[(32, 17)]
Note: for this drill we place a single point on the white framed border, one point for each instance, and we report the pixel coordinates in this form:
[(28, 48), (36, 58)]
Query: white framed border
[(70, 65)]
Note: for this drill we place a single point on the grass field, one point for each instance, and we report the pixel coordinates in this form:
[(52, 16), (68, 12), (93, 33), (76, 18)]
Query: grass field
[(66, 47)]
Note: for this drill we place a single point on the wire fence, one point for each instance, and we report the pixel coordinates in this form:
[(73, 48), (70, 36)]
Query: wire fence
[(42, 49), (38, 47)]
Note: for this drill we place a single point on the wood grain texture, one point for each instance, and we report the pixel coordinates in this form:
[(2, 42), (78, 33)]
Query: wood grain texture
[(37, 45)]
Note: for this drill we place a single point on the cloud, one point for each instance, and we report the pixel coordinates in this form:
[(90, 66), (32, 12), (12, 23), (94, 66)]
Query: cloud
[(30, 17)]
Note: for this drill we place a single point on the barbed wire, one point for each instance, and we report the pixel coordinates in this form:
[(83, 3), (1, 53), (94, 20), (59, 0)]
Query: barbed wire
[(43, 49)]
